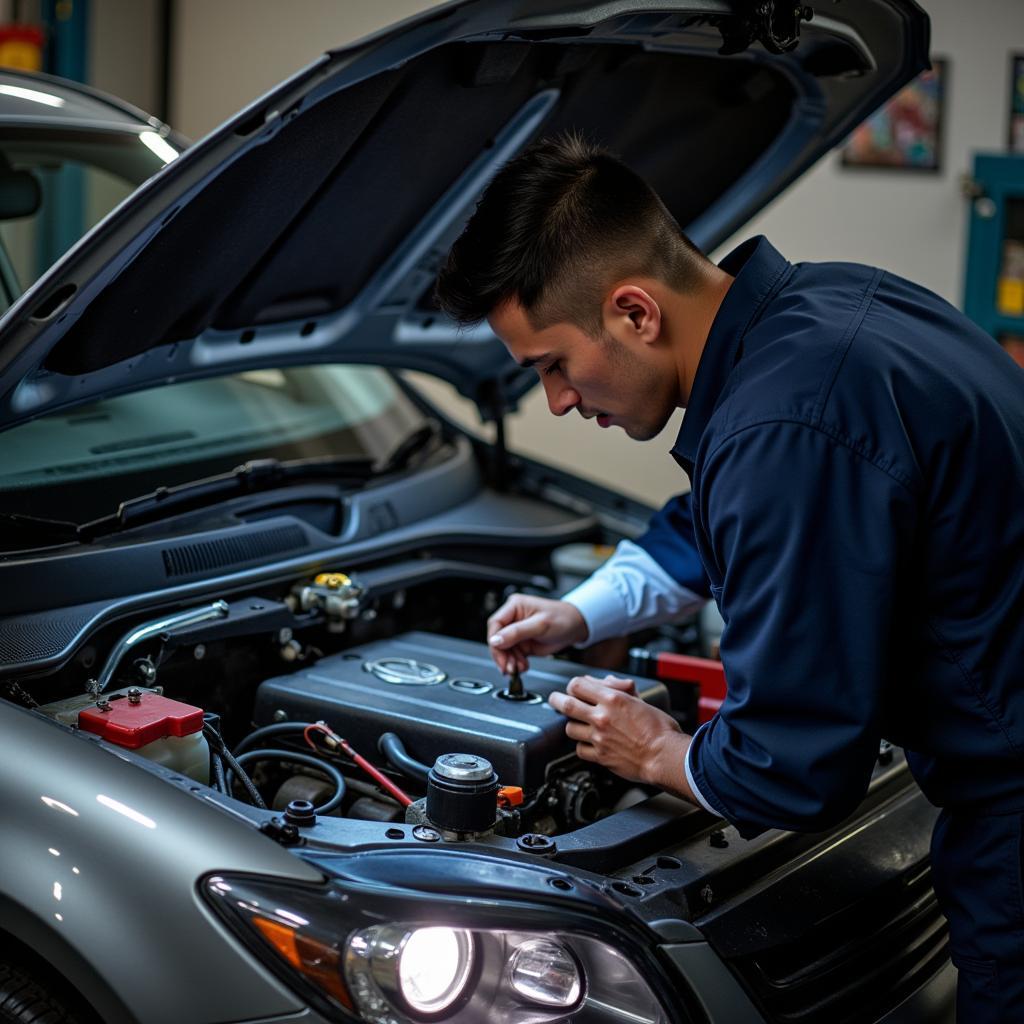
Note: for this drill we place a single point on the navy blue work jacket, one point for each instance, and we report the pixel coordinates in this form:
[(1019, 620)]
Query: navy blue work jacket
[(855, 447)]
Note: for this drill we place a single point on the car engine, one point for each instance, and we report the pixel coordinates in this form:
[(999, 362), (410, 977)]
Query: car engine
[(352, 697), (418, 696)]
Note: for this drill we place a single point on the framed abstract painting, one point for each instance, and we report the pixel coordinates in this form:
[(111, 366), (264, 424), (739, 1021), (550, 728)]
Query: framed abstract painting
[(906, 133)]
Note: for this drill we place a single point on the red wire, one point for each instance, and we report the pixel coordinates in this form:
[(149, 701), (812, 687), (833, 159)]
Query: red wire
[(379, 777)]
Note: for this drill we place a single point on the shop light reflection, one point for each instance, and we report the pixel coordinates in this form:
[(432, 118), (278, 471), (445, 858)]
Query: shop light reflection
[(289, 916), (58, 806), (158, 145), (129, 812), (35, 95)]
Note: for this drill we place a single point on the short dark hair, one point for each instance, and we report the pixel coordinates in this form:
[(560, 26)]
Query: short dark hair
[(556, 226)]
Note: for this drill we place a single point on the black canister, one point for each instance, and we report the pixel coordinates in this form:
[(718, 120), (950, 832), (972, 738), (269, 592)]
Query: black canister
[(462, 793)]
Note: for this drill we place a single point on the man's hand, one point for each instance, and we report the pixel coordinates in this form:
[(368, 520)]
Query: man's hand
[(615, 728), (532, 625)]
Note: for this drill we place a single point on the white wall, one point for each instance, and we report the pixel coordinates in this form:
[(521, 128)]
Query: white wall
[(228, 52), (124, 50)]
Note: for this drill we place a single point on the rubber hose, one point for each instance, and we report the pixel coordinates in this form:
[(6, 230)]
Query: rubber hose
[(266, 731), (307, 759), (398, 757)]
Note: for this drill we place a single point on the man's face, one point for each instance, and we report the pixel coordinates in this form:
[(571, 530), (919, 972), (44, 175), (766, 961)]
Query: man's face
[(618, 383)]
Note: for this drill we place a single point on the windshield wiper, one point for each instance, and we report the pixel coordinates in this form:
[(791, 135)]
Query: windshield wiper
[(250, 478), (411, 446), (37, 529)]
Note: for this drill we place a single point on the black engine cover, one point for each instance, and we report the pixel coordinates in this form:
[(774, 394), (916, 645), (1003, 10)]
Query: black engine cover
[(460, 712)]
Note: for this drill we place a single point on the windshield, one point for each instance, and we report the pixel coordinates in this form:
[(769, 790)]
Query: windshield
[(56, 183), (80, 464)]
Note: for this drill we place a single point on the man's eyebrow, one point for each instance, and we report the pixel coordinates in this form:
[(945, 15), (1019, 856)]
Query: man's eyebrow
[(533, 360)]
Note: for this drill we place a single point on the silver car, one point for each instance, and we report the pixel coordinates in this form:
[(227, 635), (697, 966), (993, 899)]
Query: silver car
[(258, 764)]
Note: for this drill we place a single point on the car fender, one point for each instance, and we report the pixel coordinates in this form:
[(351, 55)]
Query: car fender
[(99, 865)]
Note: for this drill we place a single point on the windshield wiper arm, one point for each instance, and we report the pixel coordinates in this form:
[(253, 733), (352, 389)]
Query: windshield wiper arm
[(39, 528), (250, 478), (254, 476)]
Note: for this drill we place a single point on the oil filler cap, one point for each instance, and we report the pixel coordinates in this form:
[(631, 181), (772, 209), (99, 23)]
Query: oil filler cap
[(463, 767), (462, 793)]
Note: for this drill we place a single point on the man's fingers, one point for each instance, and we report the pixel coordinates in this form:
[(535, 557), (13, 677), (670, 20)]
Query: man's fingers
[(514, 660), (516, 632), (624, 685), (578, 730), (592, 690), (571, 707)]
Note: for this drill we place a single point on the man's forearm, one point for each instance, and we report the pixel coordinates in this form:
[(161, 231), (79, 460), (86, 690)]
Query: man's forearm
[(667, 766)]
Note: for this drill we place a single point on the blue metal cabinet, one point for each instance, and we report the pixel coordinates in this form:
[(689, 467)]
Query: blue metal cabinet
[(994, 278)]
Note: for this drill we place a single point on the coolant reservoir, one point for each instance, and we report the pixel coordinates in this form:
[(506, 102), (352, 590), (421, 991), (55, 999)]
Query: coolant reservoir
[(158, 728)]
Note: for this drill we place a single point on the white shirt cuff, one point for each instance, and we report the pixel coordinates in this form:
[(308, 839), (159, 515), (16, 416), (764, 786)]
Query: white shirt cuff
[(630, 591), (689, 778), (602, 607)]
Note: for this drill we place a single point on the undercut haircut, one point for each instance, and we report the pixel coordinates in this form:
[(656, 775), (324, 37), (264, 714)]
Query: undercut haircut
[(556, 227)]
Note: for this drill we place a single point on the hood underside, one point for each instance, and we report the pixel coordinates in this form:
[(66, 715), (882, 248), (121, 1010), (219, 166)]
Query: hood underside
[(310, 228)]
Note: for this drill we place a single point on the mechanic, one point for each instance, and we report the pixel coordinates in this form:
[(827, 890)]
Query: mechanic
[(855, 448)]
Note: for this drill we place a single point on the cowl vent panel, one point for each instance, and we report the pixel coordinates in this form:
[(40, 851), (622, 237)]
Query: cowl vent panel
[(189, 559)]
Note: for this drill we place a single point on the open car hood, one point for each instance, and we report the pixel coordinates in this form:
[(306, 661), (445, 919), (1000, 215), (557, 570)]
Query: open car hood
[(310, 227)]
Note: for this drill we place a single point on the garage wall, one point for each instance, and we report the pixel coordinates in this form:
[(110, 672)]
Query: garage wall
[(124, 56), (229, 52)]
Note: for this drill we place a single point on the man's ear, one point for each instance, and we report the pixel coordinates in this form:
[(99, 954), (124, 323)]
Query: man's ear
[(631, 313)]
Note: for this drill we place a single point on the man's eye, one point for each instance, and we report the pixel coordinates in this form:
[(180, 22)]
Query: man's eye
[(552, 368)]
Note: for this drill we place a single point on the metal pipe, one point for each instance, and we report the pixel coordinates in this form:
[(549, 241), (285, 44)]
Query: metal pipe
[(148, 630)]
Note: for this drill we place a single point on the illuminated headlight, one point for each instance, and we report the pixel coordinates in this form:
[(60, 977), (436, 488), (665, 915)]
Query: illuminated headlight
[(378, 957), (423, 971)]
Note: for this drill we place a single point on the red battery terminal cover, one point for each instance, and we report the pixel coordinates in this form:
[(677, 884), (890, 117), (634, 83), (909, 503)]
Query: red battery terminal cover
[(133, 725)]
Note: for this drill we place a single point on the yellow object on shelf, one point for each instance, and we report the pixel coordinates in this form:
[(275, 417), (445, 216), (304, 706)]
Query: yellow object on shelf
[(1010, 296), (21, 47)]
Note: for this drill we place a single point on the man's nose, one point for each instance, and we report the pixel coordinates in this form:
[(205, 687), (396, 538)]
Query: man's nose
[(561, 398)]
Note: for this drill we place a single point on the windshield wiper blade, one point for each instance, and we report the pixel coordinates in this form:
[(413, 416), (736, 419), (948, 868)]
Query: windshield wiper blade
[(409, 447), (250, 478), (39, 528)]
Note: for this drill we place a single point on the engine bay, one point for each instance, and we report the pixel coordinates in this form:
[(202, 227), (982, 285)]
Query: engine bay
[(368, 697)]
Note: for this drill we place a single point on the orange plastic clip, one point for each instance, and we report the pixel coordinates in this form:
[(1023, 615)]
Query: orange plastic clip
[(510, 796)]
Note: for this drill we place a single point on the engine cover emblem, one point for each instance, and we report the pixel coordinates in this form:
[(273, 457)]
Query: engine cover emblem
[(405, 672)]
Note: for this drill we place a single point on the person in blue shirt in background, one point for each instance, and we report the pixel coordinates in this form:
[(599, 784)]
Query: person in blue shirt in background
[(855, 448)]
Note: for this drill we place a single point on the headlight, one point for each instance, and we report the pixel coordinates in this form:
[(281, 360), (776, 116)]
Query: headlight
[(424, 972), (383, 959), (545, 972)]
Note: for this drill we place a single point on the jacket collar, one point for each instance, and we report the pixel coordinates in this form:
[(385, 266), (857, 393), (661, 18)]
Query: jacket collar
[(759, 270)]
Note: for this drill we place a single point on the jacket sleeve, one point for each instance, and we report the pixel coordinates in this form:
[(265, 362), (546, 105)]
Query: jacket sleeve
[(669, 540), (807, 540)]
